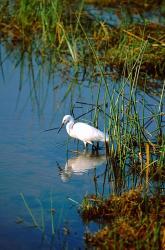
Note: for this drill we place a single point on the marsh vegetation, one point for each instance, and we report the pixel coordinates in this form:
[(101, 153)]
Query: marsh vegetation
[(123, 68)]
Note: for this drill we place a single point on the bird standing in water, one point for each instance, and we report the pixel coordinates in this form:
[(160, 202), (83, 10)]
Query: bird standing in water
[(83, 131)]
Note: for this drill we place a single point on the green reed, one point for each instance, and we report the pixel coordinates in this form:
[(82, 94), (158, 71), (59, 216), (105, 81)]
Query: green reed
[(126, 121), (42, 225), (29, 211)]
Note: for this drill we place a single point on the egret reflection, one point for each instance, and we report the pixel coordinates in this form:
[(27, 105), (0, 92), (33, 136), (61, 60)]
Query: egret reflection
[(81, 164)]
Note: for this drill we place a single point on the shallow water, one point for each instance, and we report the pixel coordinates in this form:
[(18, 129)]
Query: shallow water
[(114, 17), (34, 163), (38, 164)]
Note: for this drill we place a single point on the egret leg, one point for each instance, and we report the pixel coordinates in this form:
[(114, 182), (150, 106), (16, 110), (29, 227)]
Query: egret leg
[(85, 146), (95, 148), (107, 148)]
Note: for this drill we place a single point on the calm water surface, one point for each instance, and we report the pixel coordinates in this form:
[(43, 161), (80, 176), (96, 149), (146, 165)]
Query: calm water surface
[(38, 164), (34, 163)]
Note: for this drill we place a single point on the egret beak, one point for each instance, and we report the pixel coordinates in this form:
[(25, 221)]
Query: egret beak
[(60, 128), (50, 129)]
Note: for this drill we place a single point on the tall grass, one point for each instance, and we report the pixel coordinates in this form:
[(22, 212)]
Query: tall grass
[(43, 16), (128, 114)]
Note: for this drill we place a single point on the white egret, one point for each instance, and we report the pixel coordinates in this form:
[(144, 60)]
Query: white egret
[(83, 131)]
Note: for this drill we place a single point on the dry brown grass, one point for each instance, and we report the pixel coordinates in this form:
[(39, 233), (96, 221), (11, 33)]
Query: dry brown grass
[(132, 220)]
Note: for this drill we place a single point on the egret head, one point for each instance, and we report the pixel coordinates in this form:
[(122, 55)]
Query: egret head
[(65, 120)]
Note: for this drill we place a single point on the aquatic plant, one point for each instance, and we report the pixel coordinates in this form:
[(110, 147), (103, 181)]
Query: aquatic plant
[(133, 220), (39, 223)]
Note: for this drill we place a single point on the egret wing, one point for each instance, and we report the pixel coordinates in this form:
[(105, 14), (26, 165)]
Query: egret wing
[(87, 133)]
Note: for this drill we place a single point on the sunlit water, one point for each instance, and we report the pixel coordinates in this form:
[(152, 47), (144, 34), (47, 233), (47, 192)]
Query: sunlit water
[(38, 164)]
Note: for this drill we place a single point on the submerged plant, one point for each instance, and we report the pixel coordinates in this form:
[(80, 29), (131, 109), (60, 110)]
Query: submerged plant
[(40, 225)]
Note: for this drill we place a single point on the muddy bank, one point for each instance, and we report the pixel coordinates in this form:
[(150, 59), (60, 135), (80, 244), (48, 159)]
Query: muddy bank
[(134, 220)]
